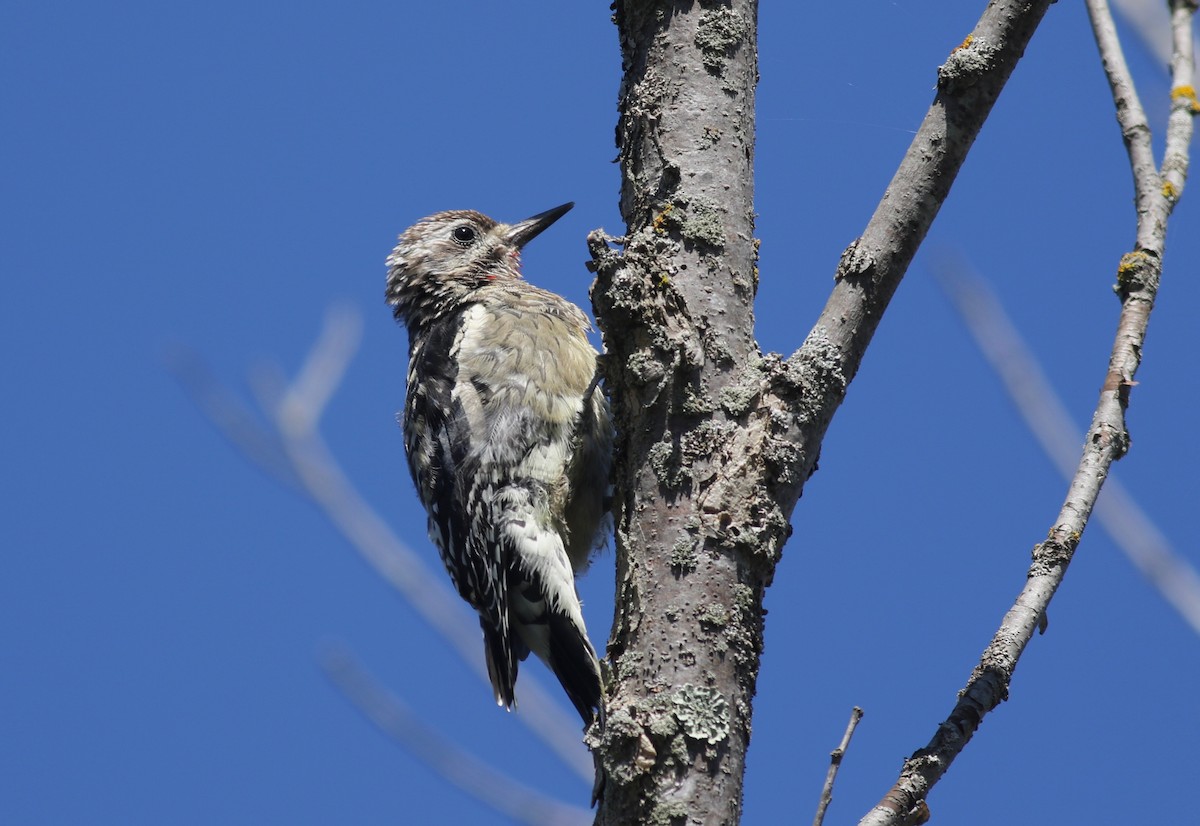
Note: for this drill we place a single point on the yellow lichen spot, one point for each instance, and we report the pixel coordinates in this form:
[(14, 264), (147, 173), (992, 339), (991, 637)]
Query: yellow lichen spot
[(661, 219), (1133, 273), (663, 280), (966, 44), (1130, 261), (1170, 191), (1187, 94)]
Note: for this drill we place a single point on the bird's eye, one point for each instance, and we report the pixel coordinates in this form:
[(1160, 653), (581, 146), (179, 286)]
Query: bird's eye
[(463, 235)]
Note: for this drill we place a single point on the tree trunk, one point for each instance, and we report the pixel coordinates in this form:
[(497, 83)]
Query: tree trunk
[(697, 532), (716, 439)]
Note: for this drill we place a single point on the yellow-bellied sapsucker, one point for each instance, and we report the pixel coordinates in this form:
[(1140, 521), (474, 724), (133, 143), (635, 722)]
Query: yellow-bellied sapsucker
[(509, 439)]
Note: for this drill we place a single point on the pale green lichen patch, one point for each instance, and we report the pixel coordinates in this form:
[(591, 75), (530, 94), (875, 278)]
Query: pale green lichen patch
[(702, 223), (739, 396), (664, 461), (683, 555), (714, 620), (713, 617), (627, 751), (706, 439), (718, 35), (696, 404), (668, 813), (782, 457), (742, 632), (702, 712), (966, 64)]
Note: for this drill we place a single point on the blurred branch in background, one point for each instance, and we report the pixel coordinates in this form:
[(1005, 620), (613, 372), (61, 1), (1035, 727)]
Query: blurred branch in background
[(1138, 274), (395, 719), (1149, 19), (1046, 416), (282, 439)]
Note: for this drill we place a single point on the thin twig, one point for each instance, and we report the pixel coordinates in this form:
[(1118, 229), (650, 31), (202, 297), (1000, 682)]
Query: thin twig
[(1184, 105), (394, 718), (1047, 418), (835, 763), (292, 450), (1106, 441), (1131, 117), (1156, 191)]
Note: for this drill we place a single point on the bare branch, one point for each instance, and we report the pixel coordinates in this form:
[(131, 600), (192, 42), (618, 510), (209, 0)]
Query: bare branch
[(1131, 117), (1045, 415), (393, 717), (295, 412), (1156, 191), (835, 762), (1106, 441), (716, 440), (871, 268), (1184, 105)]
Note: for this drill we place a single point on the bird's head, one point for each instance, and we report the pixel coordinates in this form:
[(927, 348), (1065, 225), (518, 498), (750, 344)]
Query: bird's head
[(442, 260)]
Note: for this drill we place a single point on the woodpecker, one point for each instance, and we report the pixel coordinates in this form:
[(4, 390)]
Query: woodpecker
[(508, 437)]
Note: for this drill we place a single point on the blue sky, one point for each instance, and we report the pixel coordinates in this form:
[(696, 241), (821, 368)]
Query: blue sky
[(216, 176)]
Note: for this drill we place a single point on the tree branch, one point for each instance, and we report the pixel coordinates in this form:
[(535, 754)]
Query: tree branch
[(1047, 418), (1135, 129), (835, 763), (1155, 191), (871, 268), (1106, 441), (716, 440), (1184, 105)]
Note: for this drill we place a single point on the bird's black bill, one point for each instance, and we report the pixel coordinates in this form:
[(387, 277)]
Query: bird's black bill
[(525, 231)]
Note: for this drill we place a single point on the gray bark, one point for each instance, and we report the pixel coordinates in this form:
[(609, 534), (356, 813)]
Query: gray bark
[(717, 439), (1107, 440), (697, 535)]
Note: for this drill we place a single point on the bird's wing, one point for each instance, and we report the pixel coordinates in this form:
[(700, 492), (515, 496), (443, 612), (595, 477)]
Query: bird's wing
[(443, 445)]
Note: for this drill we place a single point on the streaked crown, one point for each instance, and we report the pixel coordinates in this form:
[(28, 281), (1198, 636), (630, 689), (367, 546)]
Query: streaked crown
[(442, 260)]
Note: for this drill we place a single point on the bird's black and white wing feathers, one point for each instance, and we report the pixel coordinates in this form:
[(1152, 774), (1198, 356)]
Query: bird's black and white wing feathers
[(489, 465)]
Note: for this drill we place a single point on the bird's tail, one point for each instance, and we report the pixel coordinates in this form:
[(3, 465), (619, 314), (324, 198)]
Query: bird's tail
[(568, 653), (573, 661), (537, 607), (503, 652)]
